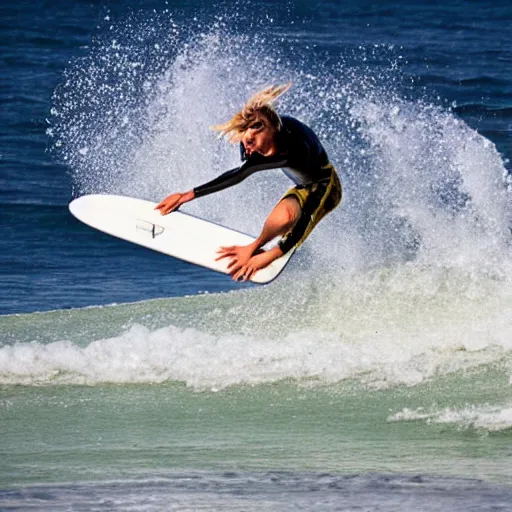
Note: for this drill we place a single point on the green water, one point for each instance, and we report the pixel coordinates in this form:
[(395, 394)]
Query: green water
[(73, 433), (415, 384)]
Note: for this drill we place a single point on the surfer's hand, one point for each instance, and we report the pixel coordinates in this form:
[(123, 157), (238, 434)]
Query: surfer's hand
[(170, 203), (239, 254), (255, 263)]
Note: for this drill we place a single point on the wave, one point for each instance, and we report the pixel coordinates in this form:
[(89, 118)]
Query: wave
[(408, 279), (410, 330)]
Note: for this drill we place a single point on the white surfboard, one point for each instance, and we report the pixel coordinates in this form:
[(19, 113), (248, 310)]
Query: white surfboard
[(178, 234)]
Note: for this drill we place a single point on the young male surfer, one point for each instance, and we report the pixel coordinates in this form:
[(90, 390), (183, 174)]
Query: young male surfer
[(269, 141)]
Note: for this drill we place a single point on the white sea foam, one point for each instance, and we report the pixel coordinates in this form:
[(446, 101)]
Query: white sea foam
[(231, 347), (485, 417)]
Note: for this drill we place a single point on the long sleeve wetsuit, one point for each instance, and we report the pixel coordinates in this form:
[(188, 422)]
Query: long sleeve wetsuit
[(302, 158), (299, 153)]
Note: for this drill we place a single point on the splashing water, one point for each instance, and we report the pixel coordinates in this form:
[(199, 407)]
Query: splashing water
[(417, 257), (133, 117)]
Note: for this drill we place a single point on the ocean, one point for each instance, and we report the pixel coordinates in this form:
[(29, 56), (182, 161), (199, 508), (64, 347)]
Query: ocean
[(375, 374)]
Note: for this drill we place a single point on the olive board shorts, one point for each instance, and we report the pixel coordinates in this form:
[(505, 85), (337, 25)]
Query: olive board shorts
[(316, 200)]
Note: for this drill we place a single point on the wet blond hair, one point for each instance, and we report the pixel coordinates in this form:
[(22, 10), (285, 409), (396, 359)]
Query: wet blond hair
[(262, 102)]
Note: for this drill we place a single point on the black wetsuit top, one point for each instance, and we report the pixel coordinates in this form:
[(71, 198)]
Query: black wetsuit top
[(299, 153)]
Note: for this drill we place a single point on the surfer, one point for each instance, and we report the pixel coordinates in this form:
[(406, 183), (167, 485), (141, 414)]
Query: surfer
[(269, 141)]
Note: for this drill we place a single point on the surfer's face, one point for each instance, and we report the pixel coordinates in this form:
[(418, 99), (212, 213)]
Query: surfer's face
[(259, 137)]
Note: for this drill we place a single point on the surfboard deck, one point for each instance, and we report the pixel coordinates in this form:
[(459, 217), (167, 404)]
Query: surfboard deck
[(177, 234)]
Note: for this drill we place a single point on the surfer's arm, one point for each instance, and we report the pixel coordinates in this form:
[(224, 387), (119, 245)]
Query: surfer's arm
[(234, 176), (228, 179), (174, 201)]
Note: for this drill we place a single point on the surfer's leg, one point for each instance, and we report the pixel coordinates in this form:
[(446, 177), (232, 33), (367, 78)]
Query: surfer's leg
[(317, 201), (280, 221), (294, 217)]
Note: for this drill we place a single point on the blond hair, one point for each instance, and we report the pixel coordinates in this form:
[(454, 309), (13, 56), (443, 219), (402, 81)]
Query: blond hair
[(262, 102)]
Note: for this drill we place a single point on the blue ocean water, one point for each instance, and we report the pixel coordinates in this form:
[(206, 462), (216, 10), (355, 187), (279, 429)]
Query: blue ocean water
[(374, 374)]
